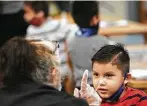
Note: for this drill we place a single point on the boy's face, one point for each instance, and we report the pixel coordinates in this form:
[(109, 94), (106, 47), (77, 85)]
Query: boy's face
[(32, 17), (107, 79), (29, 13)]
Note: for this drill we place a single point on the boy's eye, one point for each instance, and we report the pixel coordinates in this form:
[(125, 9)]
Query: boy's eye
[(95, 74), (109, 75)]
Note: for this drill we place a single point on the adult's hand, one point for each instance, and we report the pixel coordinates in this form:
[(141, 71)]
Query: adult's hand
[(87, 92)]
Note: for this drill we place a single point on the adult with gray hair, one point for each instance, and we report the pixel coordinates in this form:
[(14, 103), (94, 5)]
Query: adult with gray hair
[(31, 76)]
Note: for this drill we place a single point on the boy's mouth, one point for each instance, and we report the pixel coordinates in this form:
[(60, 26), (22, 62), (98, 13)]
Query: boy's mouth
[(102, 90)]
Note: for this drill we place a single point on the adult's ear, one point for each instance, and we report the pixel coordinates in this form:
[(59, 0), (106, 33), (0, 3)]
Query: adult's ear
[(56, 77), (128, 78), (54, 72), (94, 21), (51, 75)]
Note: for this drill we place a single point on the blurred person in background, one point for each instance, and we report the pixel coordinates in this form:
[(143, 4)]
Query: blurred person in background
[(31, 75), (64, 6), (37, 15), (84, 39)]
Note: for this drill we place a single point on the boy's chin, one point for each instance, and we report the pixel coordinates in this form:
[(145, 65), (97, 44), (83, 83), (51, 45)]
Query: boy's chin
[(104, 96)]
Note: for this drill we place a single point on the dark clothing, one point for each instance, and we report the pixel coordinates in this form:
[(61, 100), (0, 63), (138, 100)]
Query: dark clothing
[(34, 94), (63, 5)]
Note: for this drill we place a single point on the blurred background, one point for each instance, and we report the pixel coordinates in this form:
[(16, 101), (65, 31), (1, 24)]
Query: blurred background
[(113, 11), (121, 21)]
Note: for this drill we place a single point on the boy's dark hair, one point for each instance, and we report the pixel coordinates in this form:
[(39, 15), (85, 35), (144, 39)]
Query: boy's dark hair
[(115, 54), (83, 11), (17, 61), (38, 6)]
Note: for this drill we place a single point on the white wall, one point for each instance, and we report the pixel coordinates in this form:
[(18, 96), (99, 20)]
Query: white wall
[(114, 8)]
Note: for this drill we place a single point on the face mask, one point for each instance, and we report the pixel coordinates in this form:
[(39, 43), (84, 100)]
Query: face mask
[(117, 94), (87, 32), (36, 22)]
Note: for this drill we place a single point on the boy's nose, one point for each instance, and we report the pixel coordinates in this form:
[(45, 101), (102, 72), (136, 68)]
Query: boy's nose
[(101, 82)]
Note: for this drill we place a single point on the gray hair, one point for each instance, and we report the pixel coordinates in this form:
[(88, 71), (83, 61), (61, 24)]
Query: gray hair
[(46, 62)]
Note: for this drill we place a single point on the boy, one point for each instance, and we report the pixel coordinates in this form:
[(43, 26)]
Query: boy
[(36, 13), (110, 67)]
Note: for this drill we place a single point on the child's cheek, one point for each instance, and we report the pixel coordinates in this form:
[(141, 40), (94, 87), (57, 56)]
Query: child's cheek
[(95, 81)]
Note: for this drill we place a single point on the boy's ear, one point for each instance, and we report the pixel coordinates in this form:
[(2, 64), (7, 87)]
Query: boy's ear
[(94, 20), (128, 78)]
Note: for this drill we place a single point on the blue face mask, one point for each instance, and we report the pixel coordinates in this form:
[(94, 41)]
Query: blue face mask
[(87, 32), (115, 97)]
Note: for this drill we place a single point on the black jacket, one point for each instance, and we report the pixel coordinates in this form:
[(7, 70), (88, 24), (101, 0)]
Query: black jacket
[(34, 94)]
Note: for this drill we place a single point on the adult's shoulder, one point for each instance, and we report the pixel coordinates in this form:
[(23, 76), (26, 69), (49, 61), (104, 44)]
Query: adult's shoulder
[(80, 102), (52, 97), (63, 99), (72, 101)]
